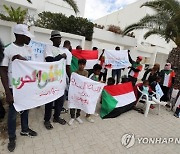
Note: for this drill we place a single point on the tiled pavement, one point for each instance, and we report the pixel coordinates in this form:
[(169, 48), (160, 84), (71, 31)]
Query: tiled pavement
[(102, 137)]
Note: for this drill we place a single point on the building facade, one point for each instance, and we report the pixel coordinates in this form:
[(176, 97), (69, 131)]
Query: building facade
[(37, 6), (153, 49)]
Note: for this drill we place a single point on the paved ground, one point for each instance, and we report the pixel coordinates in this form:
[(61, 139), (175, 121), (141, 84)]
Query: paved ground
[(102, 137)]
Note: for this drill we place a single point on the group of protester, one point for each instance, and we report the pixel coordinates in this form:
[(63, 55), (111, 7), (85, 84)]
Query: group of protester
[(19, 49)]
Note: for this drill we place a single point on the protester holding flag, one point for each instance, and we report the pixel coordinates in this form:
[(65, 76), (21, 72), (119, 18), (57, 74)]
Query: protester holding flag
[(168, 76), (83, 72), (116, 72), (91, 57), (103, 70), (54, 53), (90, 71), (134, 69), (16, 50), (94, 76)]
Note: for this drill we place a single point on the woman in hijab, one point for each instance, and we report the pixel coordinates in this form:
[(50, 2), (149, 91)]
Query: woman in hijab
[(168, 76), (151, 74)]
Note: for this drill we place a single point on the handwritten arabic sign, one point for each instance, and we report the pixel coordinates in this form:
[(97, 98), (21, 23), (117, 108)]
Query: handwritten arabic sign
[(117, 59), (84, 93), (37, 83), (38, 49)]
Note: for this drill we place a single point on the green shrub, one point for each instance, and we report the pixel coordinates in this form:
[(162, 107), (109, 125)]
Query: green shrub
[(58, 21)]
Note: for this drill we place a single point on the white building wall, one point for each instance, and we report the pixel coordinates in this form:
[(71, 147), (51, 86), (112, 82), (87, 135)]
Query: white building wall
[(41, 34), (131, 14), (54, 6)]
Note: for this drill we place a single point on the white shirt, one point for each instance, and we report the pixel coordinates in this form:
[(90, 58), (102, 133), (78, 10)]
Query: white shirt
[(12, 50), (53, 51), (174, 93)]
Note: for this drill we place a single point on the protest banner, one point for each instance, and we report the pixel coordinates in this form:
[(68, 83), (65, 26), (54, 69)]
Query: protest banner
[(117, 59), (37, 83), (38, 50), (84, 93), (90, 55), (159, 92)]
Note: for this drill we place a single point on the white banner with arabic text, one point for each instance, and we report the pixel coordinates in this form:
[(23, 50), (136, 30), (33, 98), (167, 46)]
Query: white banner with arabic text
[(117, 59), (37, 83), (84, 93)]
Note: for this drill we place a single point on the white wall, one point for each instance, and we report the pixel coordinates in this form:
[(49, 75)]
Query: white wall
[(41, 34), (54, 6), (131, 14)]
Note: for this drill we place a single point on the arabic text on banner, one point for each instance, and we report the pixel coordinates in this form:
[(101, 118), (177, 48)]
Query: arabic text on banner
[(84, 93), (37, 83), (117, 59)]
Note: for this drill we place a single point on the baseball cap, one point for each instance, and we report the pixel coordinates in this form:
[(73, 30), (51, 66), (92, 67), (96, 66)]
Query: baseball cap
[(55, 34), (140, 57), (22, 29)]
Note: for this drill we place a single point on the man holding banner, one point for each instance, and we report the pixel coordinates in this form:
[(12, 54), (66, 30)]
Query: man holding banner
[(116, 72), (55, 53), (16, 50)]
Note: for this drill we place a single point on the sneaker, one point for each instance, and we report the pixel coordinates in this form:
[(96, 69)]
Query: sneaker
[(79, 120), (89, 119), (71, 121), (60, 121), (29, 133), (11, 145)]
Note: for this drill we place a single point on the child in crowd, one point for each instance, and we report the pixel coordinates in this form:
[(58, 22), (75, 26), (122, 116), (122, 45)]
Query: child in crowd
[(146, 89), (174, 93), (110, 81), (94, 76), (75, 113)]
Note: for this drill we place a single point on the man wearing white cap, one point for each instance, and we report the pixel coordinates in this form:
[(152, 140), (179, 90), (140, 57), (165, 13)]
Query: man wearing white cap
[(16, 50)]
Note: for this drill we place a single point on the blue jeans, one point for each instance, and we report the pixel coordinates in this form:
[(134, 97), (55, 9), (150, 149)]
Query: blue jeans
[(12, 114), (116, 73)]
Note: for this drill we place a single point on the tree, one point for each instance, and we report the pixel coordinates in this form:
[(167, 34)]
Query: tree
[(72, 3), (16, 15), (166, 24), (74, 25)]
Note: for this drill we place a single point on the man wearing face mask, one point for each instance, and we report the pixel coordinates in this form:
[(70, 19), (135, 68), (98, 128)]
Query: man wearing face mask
[(168, 76), (16, 50)]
